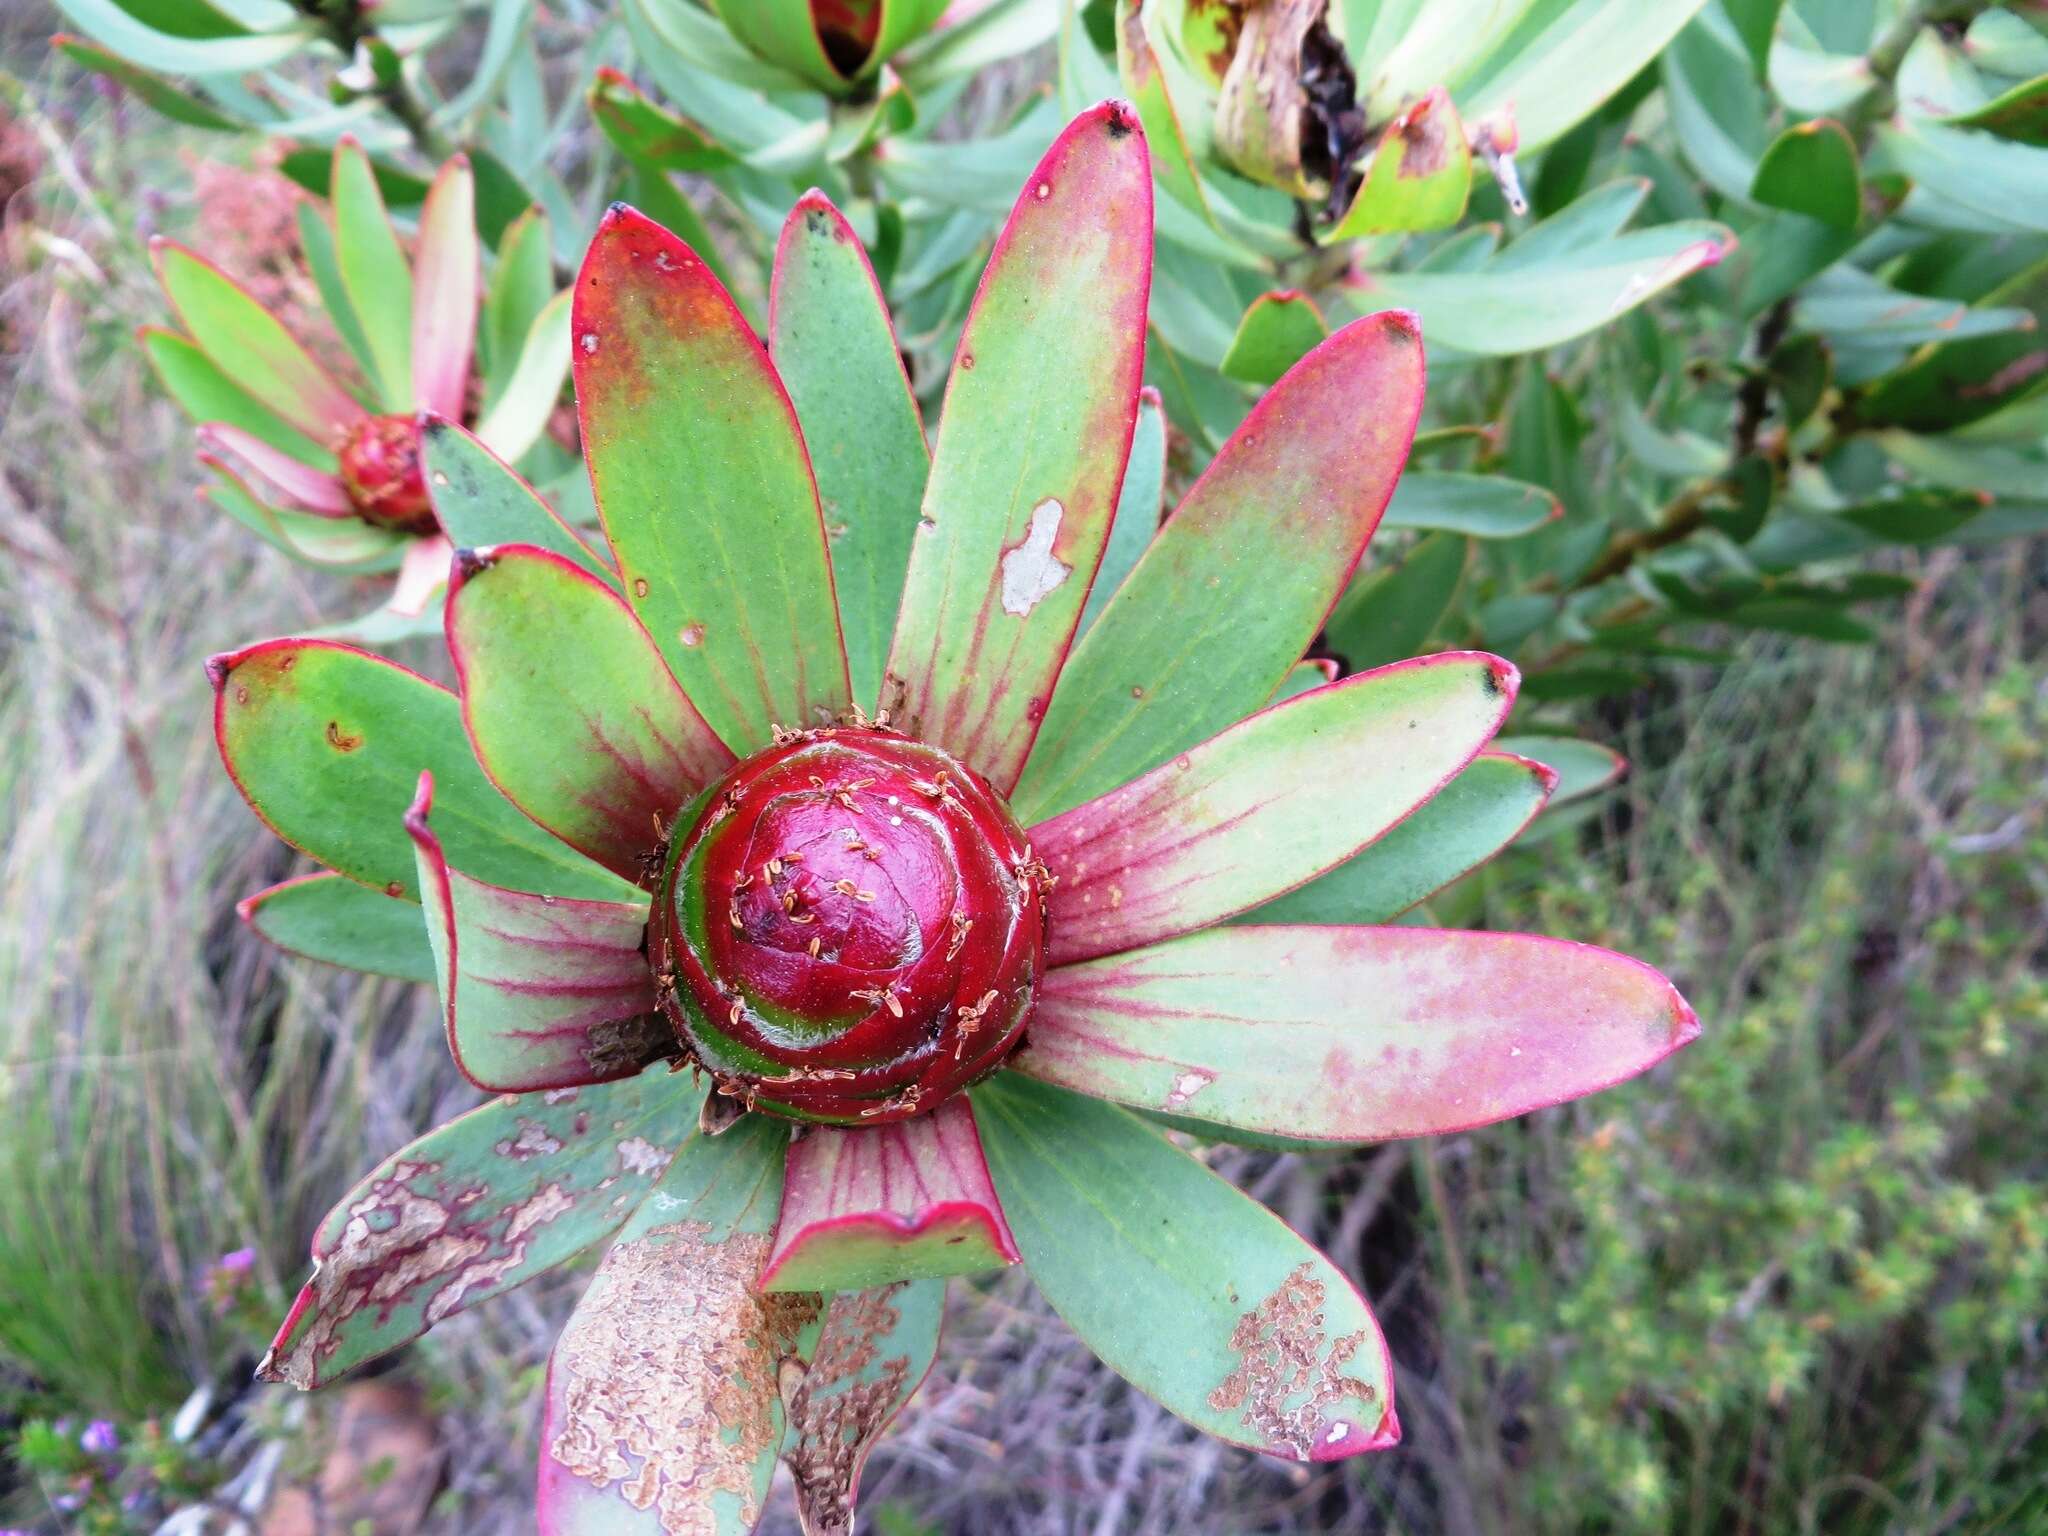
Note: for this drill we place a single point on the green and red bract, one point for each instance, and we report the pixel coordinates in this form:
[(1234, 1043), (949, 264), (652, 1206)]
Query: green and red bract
[(904, 912), (850, 927), (331, 470)]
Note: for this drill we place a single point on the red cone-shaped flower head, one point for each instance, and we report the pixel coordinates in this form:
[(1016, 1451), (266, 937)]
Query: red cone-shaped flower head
[(380, 468), (850, 927)]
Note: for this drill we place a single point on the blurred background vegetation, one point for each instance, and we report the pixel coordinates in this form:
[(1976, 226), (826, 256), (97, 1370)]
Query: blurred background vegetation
[(1794, 1282)]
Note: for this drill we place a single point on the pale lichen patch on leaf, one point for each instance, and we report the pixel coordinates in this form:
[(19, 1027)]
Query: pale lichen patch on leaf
[(672, 1427), (1031, 572), (1289, 1372), (639, 1155), (533, 1140)]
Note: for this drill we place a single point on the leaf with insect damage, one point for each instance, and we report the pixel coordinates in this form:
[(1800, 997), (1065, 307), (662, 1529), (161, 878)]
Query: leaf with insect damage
[(664, 1412), (1184, 1285), (472, 1209), (873, 1349)]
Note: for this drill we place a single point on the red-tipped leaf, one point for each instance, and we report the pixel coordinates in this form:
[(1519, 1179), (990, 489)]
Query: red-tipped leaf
[(1031, 446), (905, 1201), (1242, 575), (1353, 1034), (1265, 805), (447, 274), (569, 706), (704, 485), (294, 483), (538, 992)]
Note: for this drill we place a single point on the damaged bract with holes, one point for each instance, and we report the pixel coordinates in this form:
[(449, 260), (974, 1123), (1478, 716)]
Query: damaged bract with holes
[(837, 910)]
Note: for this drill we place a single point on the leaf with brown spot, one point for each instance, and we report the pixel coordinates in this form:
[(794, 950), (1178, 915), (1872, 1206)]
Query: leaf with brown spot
[(1185, 1286), (873, 1350), (470, 1210), (664, 1408)]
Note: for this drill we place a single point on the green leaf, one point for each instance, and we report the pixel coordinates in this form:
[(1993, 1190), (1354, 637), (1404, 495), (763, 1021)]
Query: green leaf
[(1448, 836), (206, 394), (1386, 615), (906, 1201), (1947, 384), (538, 993), (316, 242), (1031, 448), (1717, 108), (375, 273), (485, 1203), (1850, 306), (1150, 90), (313, 169), (1200, 635), (833, 344), (604, 764), (516, 421), (1811, 168), (481, 501), (1418, 177), (1756, 22), (1989, 176), (1201, 1298), (1814, 621), (873, 1351), (1482, 506), (1916, 516), (1594, 216), (339, 543), (1266, 805), (178, 105), (1497, 314), (250, 347), (786, 32), (1140, 507), (327, 744), (702, 482), (1566, 58), (1352, 1033), (1581, 766), (1277, 331), (2020, 113), (649, 134), (700, 1415), (333, 920), (109, 24), (521, 285)]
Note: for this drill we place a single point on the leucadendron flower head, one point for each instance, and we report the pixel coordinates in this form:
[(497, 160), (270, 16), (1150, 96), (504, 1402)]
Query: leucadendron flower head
[(329, 468), (874, 861)]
